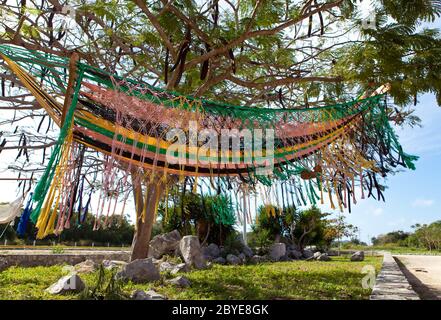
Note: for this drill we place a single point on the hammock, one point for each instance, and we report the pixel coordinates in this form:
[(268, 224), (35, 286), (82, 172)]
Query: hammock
[(331, 149), (8, 212)]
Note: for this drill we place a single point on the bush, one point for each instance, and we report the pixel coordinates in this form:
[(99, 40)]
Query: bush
[(233, 243), (211, 218), (260, 239)]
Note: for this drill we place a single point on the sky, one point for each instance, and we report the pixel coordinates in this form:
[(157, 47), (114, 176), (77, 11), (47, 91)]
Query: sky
[(411, 197)]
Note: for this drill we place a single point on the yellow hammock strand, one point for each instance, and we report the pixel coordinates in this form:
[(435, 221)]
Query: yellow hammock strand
[(47, 218)]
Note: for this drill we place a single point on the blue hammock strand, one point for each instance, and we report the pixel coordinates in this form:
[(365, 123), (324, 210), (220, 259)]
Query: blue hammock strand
[(24, 219), (86, 208), (80, 200)]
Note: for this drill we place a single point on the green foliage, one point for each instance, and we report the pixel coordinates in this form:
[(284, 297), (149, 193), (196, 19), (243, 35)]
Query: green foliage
[(307, 227), (429, 236), (426, 236), (410, 12), (233, 243), (57, 250), (274, 221), (191, 213), (260, 238), (397, 51), (310, 226), (121, 33), (119, 232), (9, 232), (106, 286), (395, 237)]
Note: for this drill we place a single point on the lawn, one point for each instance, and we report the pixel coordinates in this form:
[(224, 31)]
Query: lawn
[(393, 249), (337, 279)]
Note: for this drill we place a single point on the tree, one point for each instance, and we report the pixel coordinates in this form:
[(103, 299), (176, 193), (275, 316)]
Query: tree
[(304, 227), (429, 236), (310, 228), (118, 232), (337, 229), (273, 222), (253, 52), (211, 218), (395, 237)]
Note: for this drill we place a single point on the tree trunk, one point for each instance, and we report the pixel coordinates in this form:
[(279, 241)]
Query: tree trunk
[(143, 229)]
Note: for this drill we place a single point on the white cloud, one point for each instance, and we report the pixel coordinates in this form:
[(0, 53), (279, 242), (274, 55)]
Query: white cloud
[(378, 212), (397, 223), (423, 203)]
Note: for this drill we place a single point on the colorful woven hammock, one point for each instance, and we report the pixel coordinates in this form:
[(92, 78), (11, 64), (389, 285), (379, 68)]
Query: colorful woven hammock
[(310, 151)]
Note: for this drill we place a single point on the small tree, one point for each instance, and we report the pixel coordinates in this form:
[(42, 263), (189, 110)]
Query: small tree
[(336, 229), (210, 217), (306, 227), (310, 227)]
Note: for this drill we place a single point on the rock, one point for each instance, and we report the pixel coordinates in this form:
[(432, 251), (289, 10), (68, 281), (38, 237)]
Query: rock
[(87, 266), (242, 257), (182, 267), (139, 271), (294, 254), (3, 264), (277, 250), (232, 259), (324, 257), (180, 281), (292, 247), (247, 251), (69, 283), (258, 259), (358, 256), (166, 266), (191, 252), (147, 295), (236, 252), (166, 243), (285, 258), (316, 255), (212, 250), (113, 264), (220, 260), (308, 254)]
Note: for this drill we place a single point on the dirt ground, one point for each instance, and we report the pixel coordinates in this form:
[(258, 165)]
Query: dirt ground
[(424, 274)]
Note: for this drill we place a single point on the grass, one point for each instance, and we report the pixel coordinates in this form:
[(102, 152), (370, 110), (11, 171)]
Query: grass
[(337, 279), (396, 249)]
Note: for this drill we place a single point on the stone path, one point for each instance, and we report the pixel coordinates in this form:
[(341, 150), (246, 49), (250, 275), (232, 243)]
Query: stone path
[(424, 274), (391, 284), (64, 251), (31, 258)]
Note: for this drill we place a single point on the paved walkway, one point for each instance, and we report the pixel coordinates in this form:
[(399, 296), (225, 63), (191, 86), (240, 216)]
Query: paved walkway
[(424, 274), (391, 284)]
